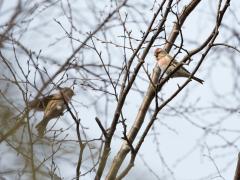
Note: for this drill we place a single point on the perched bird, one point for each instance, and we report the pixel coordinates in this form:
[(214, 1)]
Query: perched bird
[(52, 105), (164, 59)]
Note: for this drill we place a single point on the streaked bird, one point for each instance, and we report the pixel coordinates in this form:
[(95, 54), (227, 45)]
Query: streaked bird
[(52, 105), (164, 59)]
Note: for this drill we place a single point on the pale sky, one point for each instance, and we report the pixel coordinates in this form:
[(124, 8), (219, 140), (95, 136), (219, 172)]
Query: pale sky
[(177, 133)]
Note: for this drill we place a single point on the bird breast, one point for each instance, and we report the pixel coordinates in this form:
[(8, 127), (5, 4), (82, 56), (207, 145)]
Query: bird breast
[(163, 63)]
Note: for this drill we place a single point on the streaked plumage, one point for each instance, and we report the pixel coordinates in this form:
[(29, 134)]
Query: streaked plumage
[(53, 106), (164, 59)]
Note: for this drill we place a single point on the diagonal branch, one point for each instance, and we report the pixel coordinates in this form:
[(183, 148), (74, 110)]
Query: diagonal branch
[(150, 92)]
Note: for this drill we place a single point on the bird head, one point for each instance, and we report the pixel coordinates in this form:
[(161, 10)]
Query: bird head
[(67, 92), (160, 51)]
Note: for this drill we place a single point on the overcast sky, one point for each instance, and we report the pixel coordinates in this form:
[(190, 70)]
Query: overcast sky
[(186, 149)]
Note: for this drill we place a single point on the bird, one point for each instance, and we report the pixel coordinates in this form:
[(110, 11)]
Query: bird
[(164, 59), (52, 105)]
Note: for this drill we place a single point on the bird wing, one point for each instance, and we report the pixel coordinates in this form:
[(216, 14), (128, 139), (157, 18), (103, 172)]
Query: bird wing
[(175, 64), (40, 104)]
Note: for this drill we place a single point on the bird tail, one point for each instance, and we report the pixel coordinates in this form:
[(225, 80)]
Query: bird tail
[(198, 80), (41, 127)]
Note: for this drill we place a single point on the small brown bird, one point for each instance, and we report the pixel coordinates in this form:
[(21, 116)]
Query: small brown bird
[(52, 105), (164, 59)]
